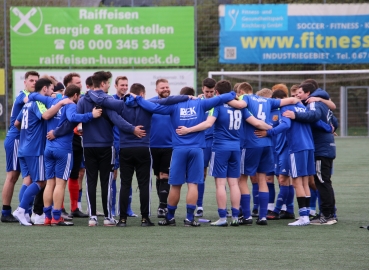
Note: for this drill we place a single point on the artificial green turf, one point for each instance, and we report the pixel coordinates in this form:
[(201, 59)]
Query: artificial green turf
[(340, 246)]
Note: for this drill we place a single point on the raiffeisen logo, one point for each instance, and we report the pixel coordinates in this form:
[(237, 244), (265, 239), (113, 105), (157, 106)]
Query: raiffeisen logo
[(187, 112), (26, 20)]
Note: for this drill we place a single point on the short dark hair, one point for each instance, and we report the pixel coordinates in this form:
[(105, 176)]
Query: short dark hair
[(120, 78), (294, 88), (31, 73), (41, 83), (279, 94), (99, 77), (137, 89), (69, 77), (209, 83), (223, 86), (187, 91), (89, 82), (71, 90), (312, 81), (307, 87)]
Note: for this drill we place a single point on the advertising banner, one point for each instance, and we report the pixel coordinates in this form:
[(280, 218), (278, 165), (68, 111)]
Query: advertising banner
[(81, 37), (177, 78), (294, 33)]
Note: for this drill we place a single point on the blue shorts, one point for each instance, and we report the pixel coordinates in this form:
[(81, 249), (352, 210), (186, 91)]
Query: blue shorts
[(255, 160), (283, 167), (186, 166), (34, 167), (207, 156), (302, 163), (225, 164), (11, 145), (58, 163), (275, 165)]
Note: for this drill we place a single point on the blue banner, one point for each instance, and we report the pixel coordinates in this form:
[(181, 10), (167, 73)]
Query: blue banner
[(295, 33)]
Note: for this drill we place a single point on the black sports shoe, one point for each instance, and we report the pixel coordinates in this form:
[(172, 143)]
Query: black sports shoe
[(122, 223), (9, 219), (77, 213), (189, 223), (255, 213), (286, 215), (261, 222), (167, 222), (162, 212), (146, 222), (272, 216), (243, 221)]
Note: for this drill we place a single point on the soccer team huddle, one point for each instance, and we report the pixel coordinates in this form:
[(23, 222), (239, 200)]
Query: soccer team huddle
[(57, 135)]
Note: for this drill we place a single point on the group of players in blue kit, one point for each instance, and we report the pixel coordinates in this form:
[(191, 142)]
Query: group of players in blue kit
[(234, 134)]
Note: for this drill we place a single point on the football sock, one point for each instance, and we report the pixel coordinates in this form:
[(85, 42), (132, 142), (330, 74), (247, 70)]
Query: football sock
[(29, 195), (255, 195), (73, 193), (307, 203), (190, 211), (47, 211), (171, 211), (271, 188), (222, 214), (7, 210), (21, 192), (263, 202), (57, 214), (245, 205), (290, 198), (200, 198), (282, 197), (235, 213), (163, 193), (301, 201)]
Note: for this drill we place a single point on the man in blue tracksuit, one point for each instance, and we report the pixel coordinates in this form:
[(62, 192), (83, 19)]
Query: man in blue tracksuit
[(134, 154), (325, 149), (98, 147)]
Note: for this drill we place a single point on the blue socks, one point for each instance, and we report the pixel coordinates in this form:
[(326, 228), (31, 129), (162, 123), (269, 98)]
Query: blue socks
[(222, 213), (21, 192), (281, 199), (56, 214), (29, 195), (191, 210), (171, 211), (290, 198), (271, 188), (263, 202), (47, 211), (245, 205), (200, 198), (235, 212), (255, 195)]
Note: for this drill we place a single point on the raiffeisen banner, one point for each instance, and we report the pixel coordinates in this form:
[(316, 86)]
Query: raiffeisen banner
[(294, 33), (82, 37)]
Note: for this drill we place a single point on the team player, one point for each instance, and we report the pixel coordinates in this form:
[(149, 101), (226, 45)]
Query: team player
[(11, 144), (325, 150), (161, 148), (31, 147), (225, 156), (257, 153), (208, 91), (301, 153), (187, 157)]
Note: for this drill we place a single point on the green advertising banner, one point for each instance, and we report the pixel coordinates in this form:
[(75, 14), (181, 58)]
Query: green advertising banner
[(80, 37)]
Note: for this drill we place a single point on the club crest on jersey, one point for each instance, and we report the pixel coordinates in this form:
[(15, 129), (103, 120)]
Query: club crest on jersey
[(275, 117), (187, 112)]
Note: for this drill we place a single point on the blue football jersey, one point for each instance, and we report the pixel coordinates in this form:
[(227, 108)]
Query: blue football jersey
[(227, 127), (33, 130), (17, 107)]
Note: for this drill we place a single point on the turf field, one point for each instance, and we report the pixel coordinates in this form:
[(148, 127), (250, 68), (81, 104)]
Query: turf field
[(277, 246)]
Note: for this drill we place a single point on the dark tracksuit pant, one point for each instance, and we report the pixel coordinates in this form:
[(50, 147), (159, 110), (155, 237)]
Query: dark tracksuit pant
[(99, 159), (323, 183), (135, 159)]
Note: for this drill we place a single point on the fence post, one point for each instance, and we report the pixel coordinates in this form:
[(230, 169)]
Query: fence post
[(343, 111)]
